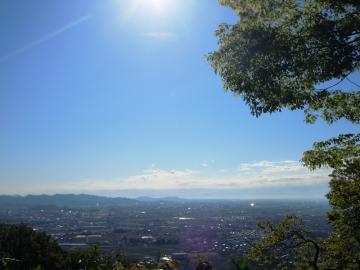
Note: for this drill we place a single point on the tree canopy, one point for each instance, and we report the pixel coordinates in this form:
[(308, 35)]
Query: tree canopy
[(280, 51), (279, 55), (21, 247)]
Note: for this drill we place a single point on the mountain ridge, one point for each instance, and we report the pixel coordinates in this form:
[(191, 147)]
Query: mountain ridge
[(64, 200)]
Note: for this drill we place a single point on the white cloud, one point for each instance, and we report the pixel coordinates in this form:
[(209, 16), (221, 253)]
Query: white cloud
[(265, 167), (260, 174), (248, 175), (279, 173), (156, 175), (204, 164), (207, 163), (161, 35)]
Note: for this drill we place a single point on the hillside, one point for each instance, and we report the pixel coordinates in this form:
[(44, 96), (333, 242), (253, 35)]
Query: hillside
[(64, 200)]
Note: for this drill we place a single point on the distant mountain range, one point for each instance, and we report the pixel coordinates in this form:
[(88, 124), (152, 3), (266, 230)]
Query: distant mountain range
[(83, 200), (162, 199), (78, 200), (64, 200)]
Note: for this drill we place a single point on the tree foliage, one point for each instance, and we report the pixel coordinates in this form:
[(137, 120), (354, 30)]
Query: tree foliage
[(23, 248), (281, 50), (279, 55), (287, 245), (342, 154)]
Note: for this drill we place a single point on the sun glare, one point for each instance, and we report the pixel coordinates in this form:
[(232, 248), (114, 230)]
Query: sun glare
[(154, 8)]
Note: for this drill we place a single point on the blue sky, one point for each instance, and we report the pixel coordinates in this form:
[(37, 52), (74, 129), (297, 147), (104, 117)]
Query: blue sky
[(116, 98)]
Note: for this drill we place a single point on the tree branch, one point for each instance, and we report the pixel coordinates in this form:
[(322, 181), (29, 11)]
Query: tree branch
[(316, 246)]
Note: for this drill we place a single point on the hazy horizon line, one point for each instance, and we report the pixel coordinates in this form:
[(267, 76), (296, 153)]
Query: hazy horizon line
[(224, 198)]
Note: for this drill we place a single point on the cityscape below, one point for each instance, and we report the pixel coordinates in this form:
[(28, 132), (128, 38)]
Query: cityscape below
[(146, 228)]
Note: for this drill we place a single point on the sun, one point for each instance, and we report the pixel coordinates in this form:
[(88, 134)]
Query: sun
[(147, 13), (153, 8), (156, 7)]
